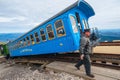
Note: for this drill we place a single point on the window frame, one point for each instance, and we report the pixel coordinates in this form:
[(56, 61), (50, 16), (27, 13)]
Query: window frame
[(87, 23), (59, 28), (32, 39), (21, 43), (43, 35), (16, 45), (37, 37), (24, 42), (49, 32), (28, 41), (86, 26), (78, 19)]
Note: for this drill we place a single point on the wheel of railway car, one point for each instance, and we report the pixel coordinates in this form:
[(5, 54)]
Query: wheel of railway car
[(115, 63), (103, 62), (93, 60)]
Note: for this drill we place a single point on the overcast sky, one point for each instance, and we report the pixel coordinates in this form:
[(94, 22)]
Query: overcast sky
[(23, 15)]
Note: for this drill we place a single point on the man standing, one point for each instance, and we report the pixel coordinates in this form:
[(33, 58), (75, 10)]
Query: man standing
[(85, 51), (1, 49)]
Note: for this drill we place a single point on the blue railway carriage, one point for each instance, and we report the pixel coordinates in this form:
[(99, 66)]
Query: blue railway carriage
[(59, 34)]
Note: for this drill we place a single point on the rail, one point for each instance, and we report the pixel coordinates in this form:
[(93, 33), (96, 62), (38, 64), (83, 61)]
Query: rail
[(109, 44)]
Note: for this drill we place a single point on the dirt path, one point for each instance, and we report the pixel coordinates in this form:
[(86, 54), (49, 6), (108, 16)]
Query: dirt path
[(24, 72)]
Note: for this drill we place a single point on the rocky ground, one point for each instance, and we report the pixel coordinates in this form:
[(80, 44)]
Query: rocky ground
[(31, 72)]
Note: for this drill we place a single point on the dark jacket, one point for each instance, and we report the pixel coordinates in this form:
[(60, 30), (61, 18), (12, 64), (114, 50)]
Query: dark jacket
[(85, 46)]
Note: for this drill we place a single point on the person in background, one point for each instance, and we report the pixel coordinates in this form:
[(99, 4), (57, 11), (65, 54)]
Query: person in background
[(85, 51), (2, 52)]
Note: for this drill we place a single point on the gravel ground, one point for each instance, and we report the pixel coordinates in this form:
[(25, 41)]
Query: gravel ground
[(33, 72)]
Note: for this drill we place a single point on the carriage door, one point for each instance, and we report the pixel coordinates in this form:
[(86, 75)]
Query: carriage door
[(78, 21)]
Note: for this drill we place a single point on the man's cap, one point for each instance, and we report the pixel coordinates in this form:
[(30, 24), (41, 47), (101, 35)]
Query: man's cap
[(87, 30)]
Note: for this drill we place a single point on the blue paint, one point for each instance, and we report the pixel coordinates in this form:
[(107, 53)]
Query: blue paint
[(67, 43)]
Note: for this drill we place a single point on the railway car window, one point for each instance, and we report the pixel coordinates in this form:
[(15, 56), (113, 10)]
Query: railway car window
[(12, 47), (24, 42), (78, 20), (74, 24), (32, 39), (37, 37), (18, 44), (9, 47), (21, 43), (42, 33), (59, 28), (15, 45), (85, 24), (28, 41), (50, 32)]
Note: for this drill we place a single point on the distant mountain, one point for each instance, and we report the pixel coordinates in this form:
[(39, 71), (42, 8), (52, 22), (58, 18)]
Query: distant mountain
[(5, 37), (109, 35), (105, 35)]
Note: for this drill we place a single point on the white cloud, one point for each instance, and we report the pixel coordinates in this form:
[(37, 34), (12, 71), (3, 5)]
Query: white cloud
[(31, 13), (33, 24), (107, 14), (24, 15), (12, 19), (4, 19)]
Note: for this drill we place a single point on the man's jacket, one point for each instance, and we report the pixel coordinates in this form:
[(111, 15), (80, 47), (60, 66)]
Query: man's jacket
[(85, 46)]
